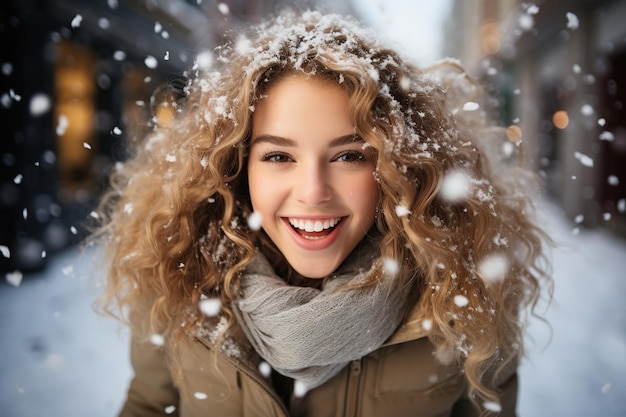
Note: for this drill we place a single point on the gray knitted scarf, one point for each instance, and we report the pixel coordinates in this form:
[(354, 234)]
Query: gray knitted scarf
[(310, 334)]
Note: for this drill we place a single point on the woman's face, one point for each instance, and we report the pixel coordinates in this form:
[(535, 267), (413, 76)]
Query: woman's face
[(311, 179)]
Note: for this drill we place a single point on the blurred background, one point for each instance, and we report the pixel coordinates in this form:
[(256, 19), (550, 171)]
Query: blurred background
[(79, 78)]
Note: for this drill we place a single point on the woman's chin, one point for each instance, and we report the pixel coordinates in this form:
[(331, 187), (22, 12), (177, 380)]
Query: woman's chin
[(313, 271)]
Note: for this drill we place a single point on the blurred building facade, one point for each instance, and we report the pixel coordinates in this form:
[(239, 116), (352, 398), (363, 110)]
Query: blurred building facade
[(558, 71), (77, 79)]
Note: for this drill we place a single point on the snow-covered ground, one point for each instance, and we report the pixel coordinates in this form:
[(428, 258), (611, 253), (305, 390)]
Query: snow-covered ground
[(58, 358), (577, 368)]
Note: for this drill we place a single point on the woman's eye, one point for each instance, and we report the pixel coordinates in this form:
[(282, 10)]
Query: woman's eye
[(351, 156), (276, 157)]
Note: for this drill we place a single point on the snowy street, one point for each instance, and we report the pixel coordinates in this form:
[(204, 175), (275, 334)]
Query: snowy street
[(58, 358)]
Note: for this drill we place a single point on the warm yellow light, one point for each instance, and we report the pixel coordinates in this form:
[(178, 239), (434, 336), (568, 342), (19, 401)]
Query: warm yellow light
[(514, 133), (490, 37), (560, 119), (75, 90), (165, 113)]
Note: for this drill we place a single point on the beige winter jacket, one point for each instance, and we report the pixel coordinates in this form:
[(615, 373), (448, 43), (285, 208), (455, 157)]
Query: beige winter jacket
[(400, 379)]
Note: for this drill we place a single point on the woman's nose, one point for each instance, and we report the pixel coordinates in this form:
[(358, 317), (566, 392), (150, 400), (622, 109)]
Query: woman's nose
[(312, 186)]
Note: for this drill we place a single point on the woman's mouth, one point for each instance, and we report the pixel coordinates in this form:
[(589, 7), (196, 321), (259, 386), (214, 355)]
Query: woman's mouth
[(313, 229)]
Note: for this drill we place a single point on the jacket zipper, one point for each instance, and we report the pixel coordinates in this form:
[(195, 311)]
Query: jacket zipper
[(261, 383), (352, 390)]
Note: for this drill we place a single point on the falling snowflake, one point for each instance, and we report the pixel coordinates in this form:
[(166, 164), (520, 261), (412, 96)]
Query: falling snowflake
[(5, 251), (254, 221), (14, 278), (402, 211), (62, 125), (243, 45), (612, 180), (572, 21), (584, 159), (455, 186), (204, 60), (116, 131), (405, 83), (587, 110), (607, 136), (119, 55), (157, 339), (493, 267), (170, 409), (7, 68), (265, 369), (5, 100), (532, 9), (68, 270), (210, 306), (471, 106), (76, 21), (86, 145), (492, 406), (526, 22), (427, 324), (170, 158), (299, 389), (151, 62), (223, 8), (39, 104), (391, 267), (104, 23), (18, 179), (461, 300), (200, 395)]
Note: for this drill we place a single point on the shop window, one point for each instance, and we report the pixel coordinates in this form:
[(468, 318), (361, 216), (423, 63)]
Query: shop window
[(75, 90)]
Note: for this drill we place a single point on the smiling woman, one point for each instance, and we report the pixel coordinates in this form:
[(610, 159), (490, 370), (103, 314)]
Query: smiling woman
[(310, 177), (288, 245)]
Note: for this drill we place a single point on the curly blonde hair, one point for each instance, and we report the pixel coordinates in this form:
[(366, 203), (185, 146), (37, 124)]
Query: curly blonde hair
[(175, 217)]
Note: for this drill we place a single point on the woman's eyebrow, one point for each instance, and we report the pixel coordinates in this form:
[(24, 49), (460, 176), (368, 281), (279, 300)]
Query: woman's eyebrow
[(281, 141), (274, 140), (346, 140)]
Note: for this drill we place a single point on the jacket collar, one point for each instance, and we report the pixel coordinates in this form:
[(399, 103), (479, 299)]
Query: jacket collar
[(412, 327)]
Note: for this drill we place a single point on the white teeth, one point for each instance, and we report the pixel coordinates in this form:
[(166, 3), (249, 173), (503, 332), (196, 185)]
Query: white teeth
[(313, 225)]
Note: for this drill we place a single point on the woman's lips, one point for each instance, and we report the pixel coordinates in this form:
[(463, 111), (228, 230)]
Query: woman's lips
[(313, 234)]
